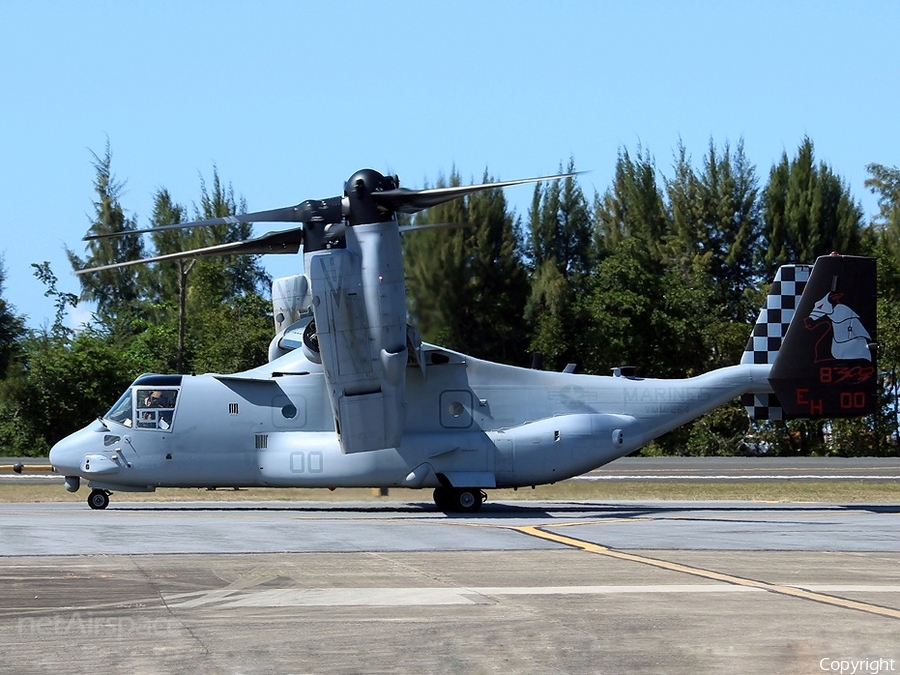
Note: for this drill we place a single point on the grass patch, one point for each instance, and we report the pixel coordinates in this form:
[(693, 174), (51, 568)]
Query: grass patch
[(766, 491)]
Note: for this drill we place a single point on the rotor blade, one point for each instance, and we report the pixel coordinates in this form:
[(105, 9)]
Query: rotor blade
[(284, 215), (286, 241), (433, 226), (413, 201), (310, 211)]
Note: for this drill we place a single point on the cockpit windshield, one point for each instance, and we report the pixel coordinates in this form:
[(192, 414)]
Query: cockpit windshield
[(148, 404), (122, 411)]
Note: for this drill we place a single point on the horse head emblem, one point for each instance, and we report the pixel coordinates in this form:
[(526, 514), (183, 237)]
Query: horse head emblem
[(849, 338)]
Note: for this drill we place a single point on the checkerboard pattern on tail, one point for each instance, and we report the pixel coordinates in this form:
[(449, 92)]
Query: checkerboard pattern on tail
[(768, 332)]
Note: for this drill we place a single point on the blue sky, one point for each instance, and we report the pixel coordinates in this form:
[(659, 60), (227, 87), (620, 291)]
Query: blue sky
[(288, 99)]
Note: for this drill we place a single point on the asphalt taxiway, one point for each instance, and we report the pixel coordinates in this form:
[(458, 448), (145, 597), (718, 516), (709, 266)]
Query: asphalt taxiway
[(579, 587)]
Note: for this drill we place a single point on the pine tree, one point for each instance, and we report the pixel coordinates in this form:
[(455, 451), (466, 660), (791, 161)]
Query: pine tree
[(498, 284), (633, 207), (562, 254), (225, 277), (467, 286), (115, 291), (12, 328), (227, 322), (435, 264), (885, 183), (561, 227), (717, 225), (169, 279), (808, 212)]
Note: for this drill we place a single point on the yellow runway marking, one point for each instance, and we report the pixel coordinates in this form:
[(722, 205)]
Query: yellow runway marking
[(792, 591)]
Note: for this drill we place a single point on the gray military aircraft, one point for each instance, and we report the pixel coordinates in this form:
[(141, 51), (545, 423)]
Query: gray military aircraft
[(352, 397)]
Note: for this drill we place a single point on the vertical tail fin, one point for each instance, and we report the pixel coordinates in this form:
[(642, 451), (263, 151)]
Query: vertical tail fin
[(826, 364), (769, 331)]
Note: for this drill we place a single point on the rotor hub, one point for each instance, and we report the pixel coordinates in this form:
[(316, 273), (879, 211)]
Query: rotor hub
[(359, 191)]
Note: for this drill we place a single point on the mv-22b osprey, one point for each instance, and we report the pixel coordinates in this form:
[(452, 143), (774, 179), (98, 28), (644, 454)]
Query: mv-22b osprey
[(352, 397)]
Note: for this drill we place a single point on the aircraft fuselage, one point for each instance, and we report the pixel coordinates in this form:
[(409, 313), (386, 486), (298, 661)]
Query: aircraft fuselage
[(467, 422)]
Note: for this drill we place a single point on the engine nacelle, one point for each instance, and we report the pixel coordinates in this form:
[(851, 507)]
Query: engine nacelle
[(290, 299), (359, 306)]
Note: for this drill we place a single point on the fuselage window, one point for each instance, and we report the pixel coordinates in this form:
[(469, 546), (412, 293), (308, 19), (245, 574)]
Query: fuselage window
[(156, 408)]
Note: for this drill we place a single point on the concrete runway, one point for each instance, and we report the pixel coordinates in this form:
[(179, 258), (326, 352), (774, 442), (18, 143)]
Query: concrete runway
[(534, 587)]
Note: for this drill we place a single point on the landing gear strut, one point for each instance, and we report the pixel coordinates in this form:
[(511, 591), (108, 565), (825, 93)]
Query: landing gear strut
[(461, 500), (98, 499)]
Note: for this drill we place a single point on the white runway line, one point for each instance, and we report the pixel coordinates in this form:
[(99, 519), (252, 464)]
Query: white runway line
[(408, 597)]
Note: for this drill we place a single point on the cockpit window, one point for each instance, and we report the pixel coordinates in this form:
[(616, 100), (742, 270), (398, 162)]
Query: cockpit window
[(145, 408), (155, 408), (121, 411)]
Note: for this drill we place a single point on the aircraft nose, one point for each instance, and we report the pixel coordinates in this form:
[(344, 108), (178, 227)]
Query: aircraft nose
[(67, 454), (63, 457)]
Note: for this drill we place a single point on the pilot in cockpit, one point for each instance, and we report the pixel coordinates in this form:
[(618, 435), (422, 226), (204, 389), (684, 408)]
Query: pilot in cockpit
[(157, 399), (154, 400)]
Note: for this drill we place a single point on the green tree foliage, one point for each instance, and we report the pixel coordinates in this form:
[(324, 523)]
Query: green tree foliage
[(646, 300), (715, 237), (229, 323), (721, 432), (195, 298), (884, 182), (717, 225), (12, 328), (60, 385), (550, 313), (223, 277), (61, 301), (561, 228), (561, 254), (498, 284), (168, 280), (808, 211), (165, 280), (633, 207), (639, 312), (467, 286), (116, 292), (435, 265), (233, 337), (154, 348), (57, 379)]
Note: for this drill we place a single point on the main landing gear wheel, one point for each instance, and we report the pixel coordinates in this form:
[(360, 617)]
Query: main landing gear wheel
[(98, 499), (462, 500), (441, 498)]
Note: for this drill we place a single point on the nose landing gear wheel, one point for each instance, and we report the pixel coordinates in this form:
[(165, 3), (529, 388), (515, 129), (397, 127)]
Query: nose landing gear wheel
[(98, 499)]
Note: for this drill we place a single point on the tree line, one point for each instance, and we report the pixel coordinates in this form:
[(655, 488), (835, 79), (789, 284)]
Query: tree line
[(665, 273)]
